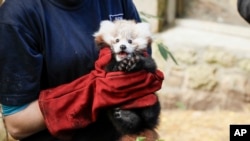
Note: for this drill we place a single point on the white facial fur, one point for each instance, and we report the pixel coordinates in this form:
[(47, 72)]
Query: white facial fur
[(124, 37)]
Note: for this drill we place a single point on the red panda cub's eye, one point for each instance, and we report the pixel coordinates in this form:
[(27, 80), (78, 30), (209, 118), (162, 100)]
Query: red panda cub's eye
[(117, 40), (130, 41)]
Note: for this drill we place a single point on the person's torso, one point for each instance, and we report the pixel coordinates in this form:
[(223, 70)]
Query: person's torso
[(64, 34)]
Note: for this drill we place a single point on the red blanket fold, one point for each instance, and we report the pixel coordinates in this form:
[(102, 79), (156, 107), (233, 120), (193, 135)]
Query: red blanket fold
[(77, 104)]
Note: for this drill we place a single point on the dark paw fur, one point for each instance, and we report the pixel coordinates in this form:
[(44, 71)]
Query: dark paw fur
[(126, 121), (150, 115), (128, 64)]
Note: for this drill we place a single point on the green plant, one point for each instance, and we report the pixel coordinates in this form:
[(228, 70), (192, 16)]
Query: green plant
[(140, 139), (181, 105), (144, 16), (144, 138), (164, 51)]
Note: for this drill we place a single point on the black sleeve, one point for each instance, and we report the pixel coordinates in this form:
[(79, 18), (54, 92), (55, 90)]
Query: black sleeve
[(21, 59), (244, 9), (20, 66)]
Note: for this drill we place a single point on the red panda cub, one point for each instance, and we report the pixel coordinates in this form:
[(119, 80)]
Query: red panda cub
[(129, 41)]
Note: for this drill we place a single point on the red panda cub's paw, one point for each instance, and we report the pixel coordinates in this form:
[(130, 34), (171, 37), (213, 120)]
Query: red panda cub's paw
[(149, 134), (128, 64)]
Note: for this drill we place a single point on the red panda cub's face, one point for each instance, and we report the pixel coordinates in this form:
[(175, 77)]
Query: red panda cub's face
[(124, 37)]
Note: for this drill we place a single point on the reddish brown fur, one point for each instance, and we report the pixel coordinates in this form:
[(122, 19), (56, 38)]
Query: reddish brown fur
[(100, 42)]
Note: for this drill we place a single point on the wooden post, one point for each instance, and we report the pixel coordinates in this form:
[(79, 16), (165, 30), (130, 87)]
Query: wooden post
[(179, 8), (150, 8), (164, 10), (161, 13), (1, 2)]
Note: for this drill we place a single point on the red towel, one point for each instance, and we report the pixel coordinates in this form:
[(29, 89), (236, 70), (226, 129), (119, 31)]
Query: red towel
[(77, 104)]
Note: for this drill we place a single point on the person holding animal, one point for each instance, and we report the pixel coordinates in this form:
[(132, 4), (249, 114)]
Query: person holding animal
[(53, 82)]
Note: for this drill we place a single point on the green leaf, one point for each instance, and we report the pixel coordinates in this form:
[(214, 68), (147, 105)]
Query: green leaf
[(144, 20), (165, 52), (172, 57), (181, 105), (140, 139), (149, 15)]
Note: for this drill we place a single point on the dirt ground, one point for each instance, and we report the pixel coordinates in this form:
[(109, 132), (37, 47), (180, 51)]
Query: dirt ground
[(188, 125)]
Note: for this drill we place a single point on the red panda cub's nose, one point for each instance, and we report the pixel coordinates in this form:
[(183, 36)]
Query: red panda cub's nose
[(123, 47)]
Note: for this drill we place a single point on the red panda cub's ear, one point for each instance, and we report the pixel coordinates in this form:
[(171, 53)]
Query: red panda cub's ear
[(150, 40), (143, 29), (100, 43), (105, 34), (143, 35)]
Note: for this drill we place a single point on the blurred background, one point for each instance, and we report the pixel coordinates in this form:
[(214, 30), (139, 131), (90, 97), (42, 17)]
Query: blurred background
[(209, 89)]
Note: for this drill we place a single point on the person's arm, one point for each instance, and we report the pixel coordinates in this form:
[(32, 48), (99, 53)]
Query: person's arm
[(244, 9), (20, 65), (25, 122)]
